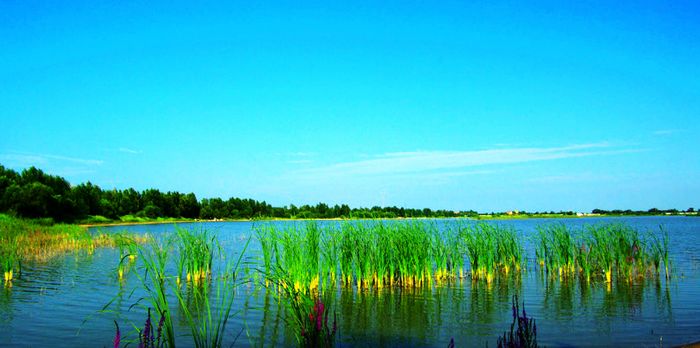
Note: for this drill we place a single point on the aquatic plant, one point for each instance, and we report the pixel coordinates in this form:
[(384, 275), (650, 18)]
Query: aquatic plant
[(153, 259), (9, 259), (196, 252), (147, 337), (209, 318), (557, 249), (660, 252), (523, 330), (315, 332), (29, 240), (205, 313), (117, 336), (599, 251), (491, 249)]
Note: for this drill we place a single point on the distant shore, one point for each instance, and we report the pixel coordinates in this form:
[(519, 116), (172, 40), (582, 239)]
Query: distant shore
[(480, 217)]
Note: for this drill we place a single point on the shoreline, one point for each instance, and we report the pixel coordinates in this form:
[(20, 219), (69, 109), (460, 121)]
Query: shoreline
[(478, 218)]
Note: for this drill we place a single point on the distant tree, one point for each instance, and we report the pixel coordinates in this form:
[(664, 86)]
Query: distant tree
[(152, 197), (151, 211), (86, 198), (34, 200), (130, 202), (189, 207), (108, 209)]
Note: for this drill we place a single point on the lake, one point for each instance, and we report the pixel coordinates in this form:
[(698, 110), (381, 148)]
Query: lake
[(59, 303)]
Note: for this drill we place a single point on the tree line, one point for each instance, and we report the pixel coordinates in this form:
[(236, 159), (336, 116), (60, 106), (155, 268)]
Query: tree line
[(35, 194), (652, 211)]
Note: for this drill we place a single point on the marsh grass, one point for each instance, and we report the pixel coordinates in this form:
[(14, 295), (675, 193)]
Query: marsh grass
[(492, 250), (196, 250), (375, 255), (601, 252), (205, 302), (29, 240)]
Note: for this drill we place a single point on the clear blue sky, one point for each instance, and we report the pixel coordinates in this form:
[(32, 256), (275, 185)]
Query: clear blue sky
[(456, 105)]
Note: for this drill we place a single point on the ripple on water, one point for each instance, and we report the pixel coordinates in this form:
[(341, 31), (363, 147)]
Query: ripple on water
[(49, 302)]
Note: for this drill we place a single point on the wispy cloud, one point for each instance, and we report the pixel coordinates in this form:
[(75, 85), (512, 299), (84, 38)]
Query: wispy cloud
[(441, 161), (54, 164), (666, 131), (302, 154), (29, 159), (299, 157), (571, 178), (301, 161), (128, 150)]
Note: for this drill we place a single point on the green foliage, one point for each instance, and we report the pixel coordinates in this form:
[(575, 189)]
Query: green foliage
[(39, 239), (600, 251), (491, 249), (307, 258), (206, 303)]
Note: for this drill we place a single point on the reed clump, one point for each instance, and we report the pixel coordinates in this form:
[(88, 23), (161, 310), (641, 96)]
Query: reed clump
[(375, 255), (601, 252), (196, 253), (492, 250)]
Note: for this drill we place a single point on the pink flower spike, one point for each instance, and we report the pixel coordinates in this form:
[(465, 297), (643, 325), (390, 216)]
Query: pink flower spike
[(117, 337)]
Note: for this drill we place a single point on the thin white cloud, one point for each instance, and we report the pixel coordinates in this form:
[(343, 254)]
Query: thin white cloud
[(19, 159), (572, 178), (302, 154), (128, 150), (16, 160), (434, 161), (665, 131), (299, 161), (74, 160)]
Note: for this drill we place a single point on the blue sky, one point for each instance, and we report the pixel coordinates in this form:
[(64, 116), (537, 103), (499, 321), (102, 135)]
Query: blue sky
[(458, 105)]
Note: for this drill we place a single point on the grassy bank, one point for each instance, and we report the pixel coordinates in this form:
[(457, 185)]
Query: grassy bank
[(38, 240)]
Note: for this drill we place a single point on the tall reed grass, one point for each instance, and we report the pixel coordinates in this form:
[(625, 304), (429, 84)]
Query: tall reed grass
[(206, 302), (601, 252), (375, 255)]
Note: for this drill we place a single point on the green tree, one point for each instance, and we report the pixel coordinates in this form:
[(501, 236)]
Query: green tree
[(188, 206)]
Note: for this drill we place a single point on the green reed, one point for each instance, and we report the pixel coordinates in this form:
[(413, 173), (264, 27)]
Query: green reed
[(491, 249), (368, 255), (660, 252), (160, 265), (207, 320), (600, 251), (9, 260), (414, 254), (557, 249), (196, 253)]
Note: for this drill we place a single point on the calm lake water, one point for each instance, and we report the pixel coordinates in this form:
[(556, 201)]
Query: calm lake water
[(58, 303)]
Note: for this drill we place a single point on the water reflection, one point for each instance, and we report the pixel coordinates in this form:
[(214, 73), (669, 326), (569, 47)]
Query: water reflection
[(476, 312)]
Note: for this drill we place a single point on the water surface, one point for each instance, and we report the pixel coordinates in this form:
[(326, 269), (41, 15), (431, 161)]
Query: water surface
[(58, 303)]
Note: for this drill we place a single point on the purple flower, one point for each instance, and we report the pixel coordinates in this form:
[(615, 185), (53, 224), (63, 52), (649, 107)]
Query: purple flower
[(146, 339), (117, 337), (160, 325)]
